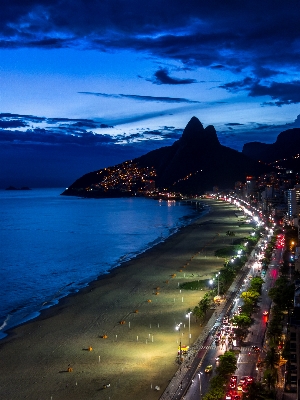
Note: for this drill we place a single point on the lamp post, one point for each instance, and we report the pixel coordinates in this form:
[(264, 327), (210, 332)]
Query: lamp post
[(188, 315), (200, 373), (217, 276), (177, 327)]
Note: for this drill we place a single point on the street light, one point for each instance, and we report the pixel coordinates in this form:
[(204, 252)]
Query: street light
[(188, 315), (217, 276), (200, 373), (177, 327)]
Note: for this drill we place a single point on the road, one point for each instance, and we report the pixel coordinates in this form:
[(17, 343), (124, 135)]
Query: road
[(247, 358)]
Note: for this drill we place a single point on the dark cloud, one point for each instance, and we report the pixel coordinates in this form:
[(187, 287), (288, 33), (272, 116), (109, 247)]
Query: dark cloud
[(261, 72), (23, 118), (236, 86), (54, 137), (233, 124), (162, 77), (143, 98), (55, 131), (219, 66), (281, 92), (262, 36), (72, 132), (14, 123)]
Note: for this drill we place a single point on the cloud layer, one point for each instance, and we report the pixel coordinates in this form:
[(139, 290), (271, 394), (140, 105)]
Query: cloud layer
[(229, 35)]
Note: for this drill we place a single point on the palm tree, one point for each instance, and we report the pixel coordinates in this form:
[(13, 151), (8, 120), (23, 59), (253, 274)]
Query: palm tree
[(270, 377), (272, 359)]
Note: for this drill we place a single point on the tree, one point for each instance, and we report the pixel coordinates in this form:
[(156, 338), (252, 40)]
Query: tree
[(272, 359), (256, 284), (250, 297), (204, 303), (282, 293), (257, 392), (270, 377), (242, 321), (198, 313), (227, 365), (214, 394)]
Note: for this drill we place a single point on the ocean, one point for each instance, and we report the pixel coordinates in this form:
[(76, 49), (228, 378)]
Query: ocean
[(52, 245)]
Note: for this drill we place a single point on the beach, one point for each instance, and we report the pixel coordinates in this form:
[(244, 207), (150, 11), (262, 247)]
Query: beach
[(120, 330)]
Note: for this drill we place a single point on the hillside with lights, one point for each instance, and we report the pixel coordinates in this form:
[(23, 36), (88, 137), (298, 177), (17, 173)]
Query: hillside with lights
[(192, 165)]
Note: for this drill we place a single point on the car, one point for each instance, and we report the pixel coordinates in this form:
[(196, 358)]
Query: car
[(266, 313), (236, 397), (256, 349), (233, 378), (242, 382), (232, 385), (228, 396), (250, 379), (208, 369), (245, 388), (217, 359), (243, 379)]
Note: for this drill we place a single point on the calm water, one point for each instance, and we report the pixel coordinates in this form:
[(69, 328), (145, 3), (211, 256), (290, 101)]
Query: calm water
[(52, 245)]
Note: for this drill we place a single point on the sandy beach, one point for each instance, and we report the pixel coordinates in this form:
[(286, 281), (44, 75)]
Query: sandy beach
[(120, 330)]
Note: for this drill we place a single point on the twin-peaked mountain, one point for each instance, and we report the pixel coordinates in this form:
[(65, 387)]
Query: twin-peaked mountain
[(193, 164)]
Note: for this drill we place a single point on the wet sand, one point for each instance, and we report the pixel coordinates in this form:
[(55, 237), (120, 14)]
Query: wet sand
[(136, 306)]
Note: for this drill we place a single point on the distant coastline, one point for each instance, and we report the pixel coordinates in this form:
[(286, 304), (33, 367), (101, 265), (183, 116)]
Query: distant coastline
[(14, 188)]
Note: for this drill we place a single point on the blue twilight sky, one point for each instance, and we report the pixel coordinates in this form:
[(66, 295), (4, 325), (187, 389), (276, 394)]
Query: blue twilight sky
[(88, 84)]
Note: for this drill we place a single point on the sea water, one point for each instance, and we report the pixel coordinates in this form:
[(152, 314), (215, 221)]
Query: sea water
[(52, 245)]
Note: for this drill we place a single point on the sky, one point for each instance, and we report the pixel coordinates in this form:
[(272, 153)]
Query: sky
[(89, 84)]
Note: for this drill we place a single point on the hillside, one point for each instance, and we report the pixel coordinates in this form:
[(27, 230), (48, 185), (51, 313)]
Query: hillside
[(287, 145), (193, 164)]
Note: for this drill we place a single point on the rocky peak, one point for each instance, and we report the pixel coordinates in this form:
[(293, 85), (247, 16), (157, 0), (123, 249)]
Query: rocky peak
[(195, 133)]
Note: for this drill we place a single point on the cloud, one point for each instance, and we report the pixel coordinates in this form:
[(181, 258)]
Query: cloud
[(162, 77), (142, 98), (219, 66), (236, 86), (73, 132), (55, 131), (12, 124), (281, 92), (263, 72), (233, 124), (256, 35)]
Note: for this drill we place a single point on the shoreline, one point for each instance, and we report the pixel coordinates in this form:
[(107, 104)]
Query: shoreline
[(135, 355), (55, 301)]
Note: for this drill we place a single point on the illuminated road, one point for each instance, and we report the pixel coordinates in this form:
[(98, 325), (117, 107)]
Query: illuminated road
[(247, 358)]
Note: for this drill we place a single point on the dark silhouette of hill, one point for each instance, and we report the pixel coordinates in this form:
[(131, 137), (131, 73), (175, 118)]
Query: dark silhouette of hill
[(287, 145), (199, 152), (192, 165)]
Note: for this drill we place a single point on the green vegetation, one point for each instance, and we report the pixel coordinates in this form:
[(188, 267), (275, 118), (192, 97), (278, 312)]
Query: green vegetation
[(243, 321), (256, 284), (227, 367), (203, 306), (201, 284), (282, 293), (229, 251), (257, 391)]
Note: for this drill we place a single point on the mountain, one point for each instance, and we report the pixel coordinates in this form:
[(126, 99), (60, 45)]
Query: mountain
[(287, 145), (193, 164)]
